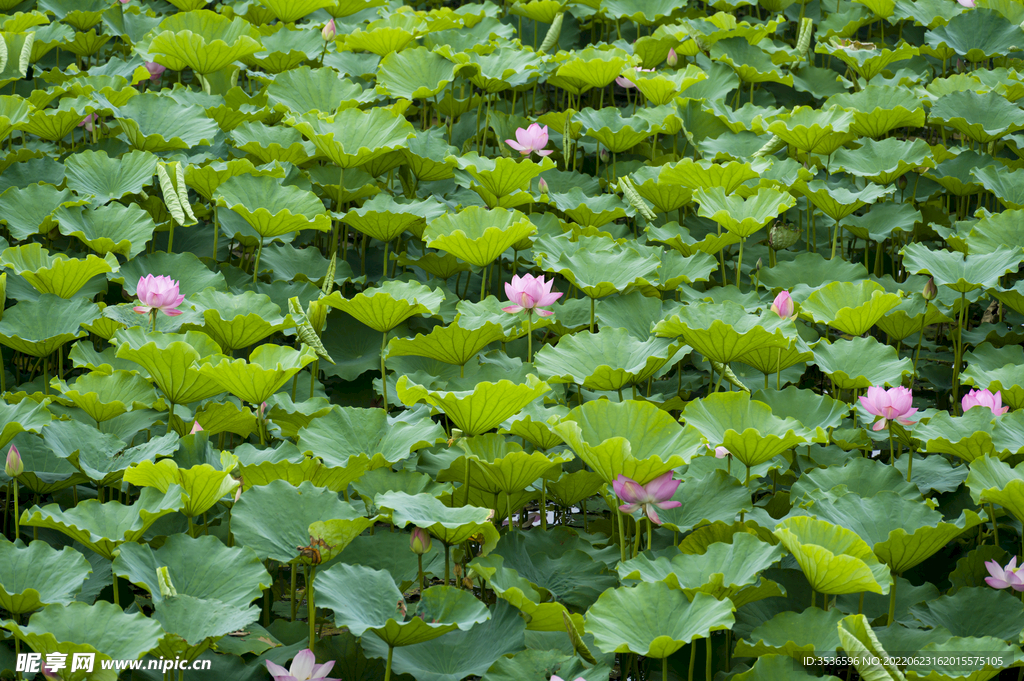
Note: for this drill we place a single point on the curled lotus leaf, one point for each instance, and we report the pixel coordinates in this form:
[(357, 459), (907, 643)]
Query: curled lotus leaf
[(237, 321), (37, 575), (478, 410), (608, 360), (478, 235), (834, 559), (114, 228), (994, 481), (451, 344), (202, 485), (318, 91), (38, 327), (849, 307), (203, 40), (384, 307), (726, 331), (168, 360), (105, 396), (157, 123), (272, 208), (596, 265), (860, 363), (345, 434), (55, 273), (962, 273), (268, 368), (743, 217), (354, 137), (614, 131), (793, 634), (449, 525)]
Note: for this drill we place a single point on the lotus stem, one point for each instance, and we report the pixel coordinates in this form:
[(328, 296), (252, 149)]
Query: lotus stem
[(636, 541), (959, 348), (707, 664), (739, 263), (529, 344), (508, 505), (483, 284), (311, 606), (920, 339), (592, 314), (17, 520), (693, 658), (117, 599), (892, 451), (170, 416), (650, 535), (387, 669), (170, 238), (995, 526), (447, 557), (383, 372), (910, 464), (422, 581), (291, 591), (385, 270), (256, 265), (892, 603), (216, 232), (622, 534)]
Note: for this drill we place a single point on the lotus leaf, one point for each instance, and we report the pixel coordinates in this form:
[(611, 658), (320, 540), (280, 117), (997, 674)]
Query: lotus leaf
[(168, 360), (848, 307), (56, 274), (834, 559), (449, 525), (609, 360), (368, 433), (478, 410), (385, 307), (739, 216), (353, 137), (962, 273), (793, 634), (477, 235), (725, 331), (37, 575), (203, 486), (860, 363), (38, 327), (268, 368)]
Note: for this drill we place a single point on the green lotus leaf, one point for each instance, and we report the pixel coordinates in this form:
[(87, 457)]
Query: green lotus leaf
[(45, 472), (496, 466), (807, 407), (272, 143), (13, 111), (273, 519), (884, 161), (355, 137), (500, 182), (590, 211), (534, 424), (794, 634), (168, 360), (1006, 185), (997, 369), (415, 73), (478, 410), (114, 228), (681, 239), (863, 477), (153, 122), (866, 59), (969, 437), (750, 62), (851, 308), (237, 321), (451, 344), (838, 200), (860, 642), (290, 11), (203, 485), (94, 173), (663, 197), (725, 331), (962, 273), (954, 174), (37, 575), (269, 367), (834, 559), (663, 87), (204, 41), (56, 123), (105, 396), (104, 527), (707, 175), (271, 208), (346, 434), (381, 480), (30, 210), (608, 360), (748, 117), (903, 533), (653, 619), (385, 219), (475, 315), (877, 109), (449, 525), (205, 179), (747, 428), (388, 305), (381, 39), (591, 67), (429, 156), (631, 438), (906, 319), (708, 496), (731, 571), (226, 417), (102, 629), (860, 363), (314, 90), (973, 611), (981, 117), (1005, 658), (678, 269), (1012, 298), (57, 273), (573, 488), (287, 49), (368, 600), (38, 327), (100, 456), (478, 235), (976, 36), (743, 217), (614, 131), (596, 265), (501, 69), (816, 131), (994, 481), (543, 11)]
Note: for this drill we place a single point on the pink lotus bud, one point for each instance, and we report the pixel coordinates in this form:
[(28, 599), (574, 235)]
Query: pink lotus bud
[(721, 452), (652, 496), (986, 399), (196, 428), (419, 541), (783, 305), (930, 290), (542, 186), (155, 70), (329, 31), (672, 59), (14, 465)]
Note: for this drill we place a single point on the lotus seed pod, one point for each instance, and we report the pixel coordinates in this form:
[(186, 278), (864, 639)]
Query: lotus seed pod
[(781, 237)]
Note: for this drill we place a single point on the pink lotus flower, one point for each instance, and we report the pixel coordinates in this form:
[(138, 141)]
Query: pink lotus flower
[(329, 31), (196, 428), (966, 3), (655, 494), (531, 139), (721, 452), (419, 541), (155, 70), (303, 668), (892, 405), (985, 398), (88, 121), (783, 305), (1004, 577), (530, 293), (158, 293), (624, 82)]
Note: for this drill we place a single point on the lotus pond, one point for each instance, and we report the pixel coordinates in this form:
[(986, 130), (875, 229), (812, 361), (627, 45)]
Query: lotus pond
[(516, 341)]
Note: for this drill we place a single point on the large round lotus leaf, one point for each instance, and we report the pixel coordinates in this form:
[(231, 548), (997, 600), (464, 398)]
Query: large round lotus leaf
[(806, 406), (779, 668), (478, 235), (57, 274), (168, 359), (25, 416), (354, 137), (750, 62), (996, 230), (203, 485), (272, 143), (862, 477), (478, 410), (45, 472), (103, 527), (596, 265), (204, 41), (347, 433), (102, 629), (707, 175), (289, 11), (860, 363), (851, 308), (450, 525), (385, 219), (729, 571), (834, 559), (287, 49), (614, 131), (153, 122), (883, 161), (534, 423), (867, 59), (977, 36), (416, 73), (969, 436), (974, 611), (104, 396), (36, 575), (274, 519), (903, 533), (997, 369), (590, 211), (103, 457), (654, 620), (808, 272), (500, 182), (38, 327), (201, 567), (877, 109), (590, 68), (635, 439), (747, 428), (962, 273), (451, 344), (663, 87), (608, 360), (384, 307), (818, 131), (907, 318), (839, 200), (725, 331), (364, 600), (499, 466), (237, 321), (192, 622), (268, 368), (706, 497), (188, 270), (813, 631), (30, 210), (743, 217), (271, 208), (113, 228)]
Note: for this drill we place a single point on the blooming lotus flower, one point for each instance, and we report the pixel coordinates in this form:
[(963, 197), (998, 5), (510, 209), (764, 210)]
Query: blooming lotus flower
[(158, 293), (985, 398), (329, 31), (14, 466), (654, 495), (155, 70), (892, 405), (783, 305), (530, 293), (628, 84), (531, 139), (88, 121), (721, 452), (1004, 577), (419, 541), (303, 668)]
